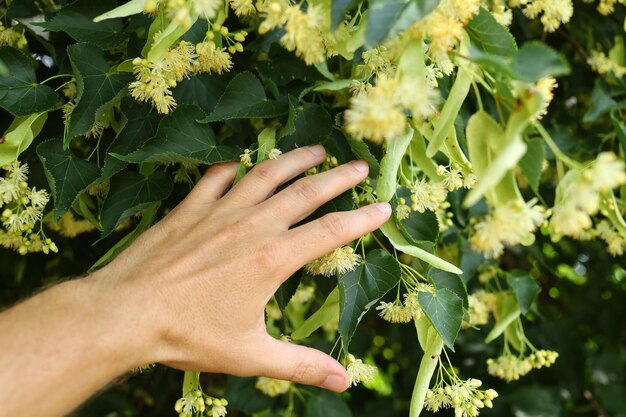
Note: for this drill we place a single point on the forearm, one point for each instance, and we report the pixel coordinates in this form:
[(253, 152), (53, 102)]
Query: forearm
[(64, 345)]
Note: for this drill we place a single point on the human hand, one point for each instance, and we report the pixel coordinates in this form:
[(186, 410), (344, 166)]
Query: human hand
[(196, 284)]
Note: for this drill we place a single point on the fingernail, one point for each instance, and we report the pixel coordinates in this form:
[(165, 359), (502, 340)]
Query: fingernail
[(360, 166), (384, 208), (334, 383), (317, 150)]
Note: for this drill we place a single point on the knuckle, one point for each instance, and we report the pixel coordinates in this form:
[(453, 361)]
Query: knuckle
[(303, 371), (333, 224), (264, 172), (268, 255), (307, 189)]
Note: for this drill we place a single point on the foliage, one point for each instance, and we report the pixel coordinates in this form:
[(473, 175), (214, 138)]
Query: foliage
[(508, 188)]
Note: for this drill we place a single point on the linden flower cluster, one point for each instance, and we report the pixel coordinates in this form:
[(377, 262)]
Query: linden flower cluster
[(553, 12), (155, 79), (272, 387), (603, 64), (606, 7), (481, 304), (8, 36), (378, 113), (499, 10), (397, 313), (338, 262), (69, 225), (463, 396), (360, 372), (22, 209), (197, 402), (510, 224), (511, 368), (181, 11), (303, 31), (444, 27), (581, 195), (615, 242)]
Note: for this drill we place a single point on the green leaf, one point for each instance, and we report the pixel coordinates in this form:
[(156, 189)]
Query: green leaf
[(125, 10), (338, 11), (244, 98), (532, 163), (420, 229), (202, 90), (141, 125), (180, 138), (311, 125), (243, 396), (445, 311), (267, 142), (327, 312), (67, 175), (327, 404), (361, 150), (167, 37), (450, 281), (336, 85), (601, 103), (131, 192), (20, 94), (362, 288), (20, 135), (390, 17), (77, 20), (391, 232), (395, 150), (98, 88), (287, 289), (508, 312), (524, 287), (535, 60), (146, 221), (490, 36)]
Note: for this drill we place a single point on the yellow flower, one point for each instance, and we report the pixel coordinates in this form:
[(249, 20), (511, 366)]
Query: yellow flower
[(211, 59), (272, 387), (243, 7), (360, 372), (339, 261)]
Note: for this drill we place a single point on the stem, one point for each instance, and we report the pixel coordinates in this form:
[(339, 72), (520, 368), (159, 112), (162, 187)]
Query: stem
[(56, 76), (191, 381), (555, 149), (428, 366)]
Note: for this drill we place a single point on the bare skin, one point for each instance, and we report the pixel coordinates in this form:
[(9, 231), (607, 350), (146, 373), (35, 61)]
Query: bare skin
[(189, 293)]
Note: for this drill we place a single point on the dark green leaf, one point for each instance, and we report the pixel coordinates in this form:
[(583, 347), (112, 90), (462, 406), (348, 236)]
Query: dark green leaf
[(601, 103), (77, 21), (532, 163), (244, 98), (327, 404), (535, 60), (67, 175), (382, 14), (338, 11), (362, 288), (453, 282), (524, 287), (243, 396), (307, 116), (287, 289), (141, 125), (98, 88), (414, 11), (283, 67), (620, 130), (203, 90), (342, 202), (362, 151), (19, 92), (445, 312), (131, 192), (490, 36), (22, 9), (180, 138)]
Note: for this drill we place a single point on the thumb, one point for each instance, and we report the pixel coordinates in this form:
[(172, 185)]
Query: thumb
[(302, 365)]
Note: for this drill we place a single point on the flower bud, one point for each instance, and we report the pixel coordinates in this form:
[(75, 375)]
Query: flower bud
[(239, 47), (178, 407), (239, 37), (224, 31)]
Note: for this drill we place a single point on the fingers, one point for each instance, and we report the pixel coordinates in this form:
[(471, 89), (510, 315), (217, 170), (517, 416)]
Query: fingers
[(302, 365), (263, 179), (214, 183), (302, 197), (321, 236)]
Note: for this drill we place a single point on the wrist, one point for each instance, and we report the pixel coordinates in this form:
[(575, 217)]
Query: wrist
[(125, 314)]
